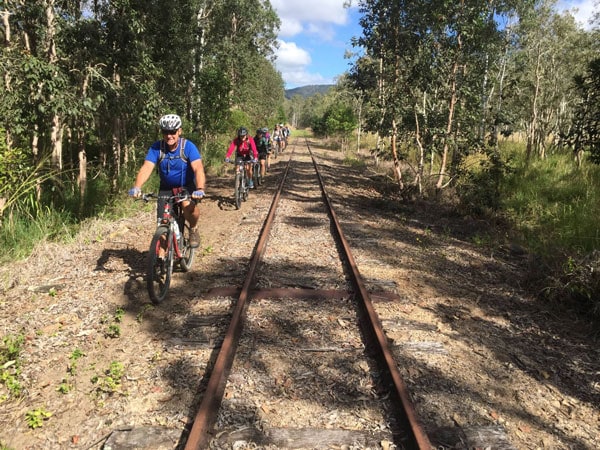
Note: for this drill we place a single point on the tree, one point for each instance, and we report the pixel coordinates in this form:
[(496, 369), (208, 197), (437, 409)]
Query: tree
[(585, 133)]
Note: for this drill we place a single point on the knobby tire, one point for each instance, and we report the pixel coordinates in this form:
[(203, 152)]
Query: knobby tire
[(245, 188), (160, 270), (238, 190), (257, 175), (188, 252)]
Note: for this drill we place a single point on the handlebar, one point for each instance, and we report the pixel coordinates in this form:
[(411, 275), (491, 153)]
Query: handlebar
[(239, 162), (178, 198)]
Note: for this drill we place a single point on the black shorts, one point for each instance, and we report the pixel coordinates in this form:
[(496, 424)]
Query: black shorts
[(164, 194), (262, 156)]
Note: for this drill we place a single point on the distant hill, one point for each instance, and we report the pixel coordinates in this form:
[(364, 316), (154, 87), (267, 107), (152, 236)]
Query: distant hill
[(308, 91)]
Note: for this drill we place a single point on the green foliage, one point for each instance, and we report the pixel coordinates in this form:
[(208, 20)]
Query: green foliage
[(73, 358), (114, 329), (140, 315), (237, 119), (10, 352), (479, 185), (302, 133), (585, 130), (339, 120), (110, 382), (354, 162), (19, 180), (64, 387), (554, 205), (119, 314), (577, 283), (36, 417), (21, 233)]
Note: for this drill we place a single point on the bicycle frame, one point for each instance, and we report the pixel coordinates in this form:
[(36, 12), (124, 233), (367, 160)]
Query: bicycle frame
[(172, 214)]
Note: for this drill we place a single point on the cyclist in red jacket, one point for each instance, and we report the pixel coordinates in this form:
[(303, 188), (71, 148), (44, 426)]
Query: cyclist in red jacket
[(245, 149)]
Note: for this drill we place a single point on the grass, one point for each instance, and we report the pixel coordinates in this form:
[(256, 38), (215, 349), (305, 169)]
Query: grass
[(304, 133), (554, 205)]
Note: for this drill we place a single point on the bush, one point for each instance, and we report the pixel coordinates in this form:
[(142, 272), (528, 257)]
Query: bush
[(578, 284)]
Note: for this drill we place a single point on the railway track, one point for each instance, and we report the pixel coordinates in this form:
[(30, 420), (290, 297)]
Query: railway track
[(304, 342)]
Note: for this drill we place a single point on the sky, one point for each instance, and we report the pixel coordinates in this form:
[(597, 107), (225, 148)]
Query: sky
[(315, 36)]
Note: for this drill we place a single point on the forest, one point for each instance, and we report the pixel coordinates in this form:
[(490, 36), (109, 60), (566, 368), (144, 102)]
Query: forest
[(491, 104)]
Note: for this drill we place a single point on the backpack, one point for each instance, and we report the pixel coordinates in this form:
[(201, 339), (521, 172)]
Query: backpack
[(163, 152)]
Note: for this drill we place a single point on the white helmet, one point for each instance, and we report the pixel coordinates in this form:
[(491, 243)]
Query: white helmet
[(170, 122)]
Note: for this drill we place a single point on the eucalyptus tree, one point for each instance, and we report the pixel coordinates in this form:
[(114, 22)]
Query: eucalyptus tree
[(240, 38), (551, 49), (585, 131), (429, 60)]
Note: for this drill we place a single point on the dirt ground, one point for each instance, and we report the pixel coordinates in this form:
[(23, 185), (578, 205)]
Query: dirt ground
[(98, 357)]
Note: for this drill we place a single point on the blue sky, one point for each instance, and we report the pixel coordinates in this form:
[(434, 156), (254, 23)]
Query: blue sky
[(315, 35)]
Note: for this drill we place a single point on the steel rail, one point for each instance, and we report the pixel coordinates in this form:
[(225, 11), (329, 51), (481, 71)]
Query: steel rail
[(202, 431), (418, 438)]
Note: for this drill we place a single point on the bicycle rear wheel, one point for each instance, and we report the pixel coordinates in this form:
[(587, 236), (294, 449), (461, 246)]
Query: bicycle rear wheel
[(187, 251), (257, 175), (238, 190), (160, 266)]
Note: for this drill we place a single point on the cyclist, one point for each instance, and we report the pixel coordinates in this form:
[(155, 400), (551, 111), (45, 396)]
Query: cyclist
[(262, 146), (286, 135), (245, 149), (180, 168), (269, 147), (277, 137)]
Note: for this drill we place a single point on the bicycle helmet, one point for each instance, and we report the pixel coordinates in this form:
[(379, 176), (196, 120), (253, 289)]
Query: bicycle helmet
[(260, 131), (242, 132), (170, 122), (265, 130)]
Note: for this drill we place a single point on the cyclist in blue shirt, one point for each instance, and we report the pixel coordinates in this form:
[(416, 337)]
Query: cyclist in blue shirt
[(180, 168)]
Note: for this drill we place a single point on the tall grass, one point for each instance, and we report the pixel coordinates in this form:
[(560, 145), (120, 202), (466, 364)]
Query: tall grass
[(554, 204)]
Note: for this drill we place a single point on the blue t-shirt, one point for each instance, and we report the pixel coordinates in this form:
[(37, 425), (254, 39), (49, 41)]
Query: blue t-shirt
[(175, 172)]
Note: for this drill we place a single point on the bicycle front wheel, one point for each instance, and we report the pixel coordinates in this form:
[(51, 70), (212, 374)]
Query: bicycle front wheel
[(245, 187), (238, 190), (160, 266), (188, 252)]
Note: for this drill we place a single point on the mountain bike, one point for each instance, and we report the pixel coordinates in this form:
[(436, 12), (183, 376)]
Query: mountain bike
[(170, 245), (241, 182)]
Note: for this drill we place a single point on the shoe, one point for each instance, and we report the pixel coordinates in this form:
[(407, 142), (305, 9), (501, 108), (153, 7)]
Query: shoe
[(194, 238), (250, 184)]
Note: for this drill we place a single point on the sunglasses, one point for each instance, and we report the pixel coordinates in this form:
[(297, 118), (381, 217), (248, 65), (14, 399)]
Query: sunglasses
[(169, 131)]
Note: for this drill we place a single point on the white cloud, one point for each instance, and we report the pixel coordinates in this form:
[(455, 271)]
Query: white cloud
[(292, 62), (582, 10), (305, 18), (312, 11)]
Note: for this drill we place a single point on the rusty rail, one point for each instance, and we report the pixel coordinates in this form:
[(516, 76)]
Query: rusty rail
[(202, 429)]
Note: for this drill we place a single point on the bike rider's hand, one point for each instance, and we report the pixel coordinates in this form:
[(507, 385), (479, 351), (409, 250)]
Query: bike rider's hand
[(255, 160), (134, 192), (198, 194), (227, 160)]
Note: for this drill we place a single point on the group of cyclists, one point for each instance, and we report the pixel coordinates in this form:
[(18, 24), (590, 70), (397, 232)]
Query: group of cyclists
[(258, 148), (180, 165)]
